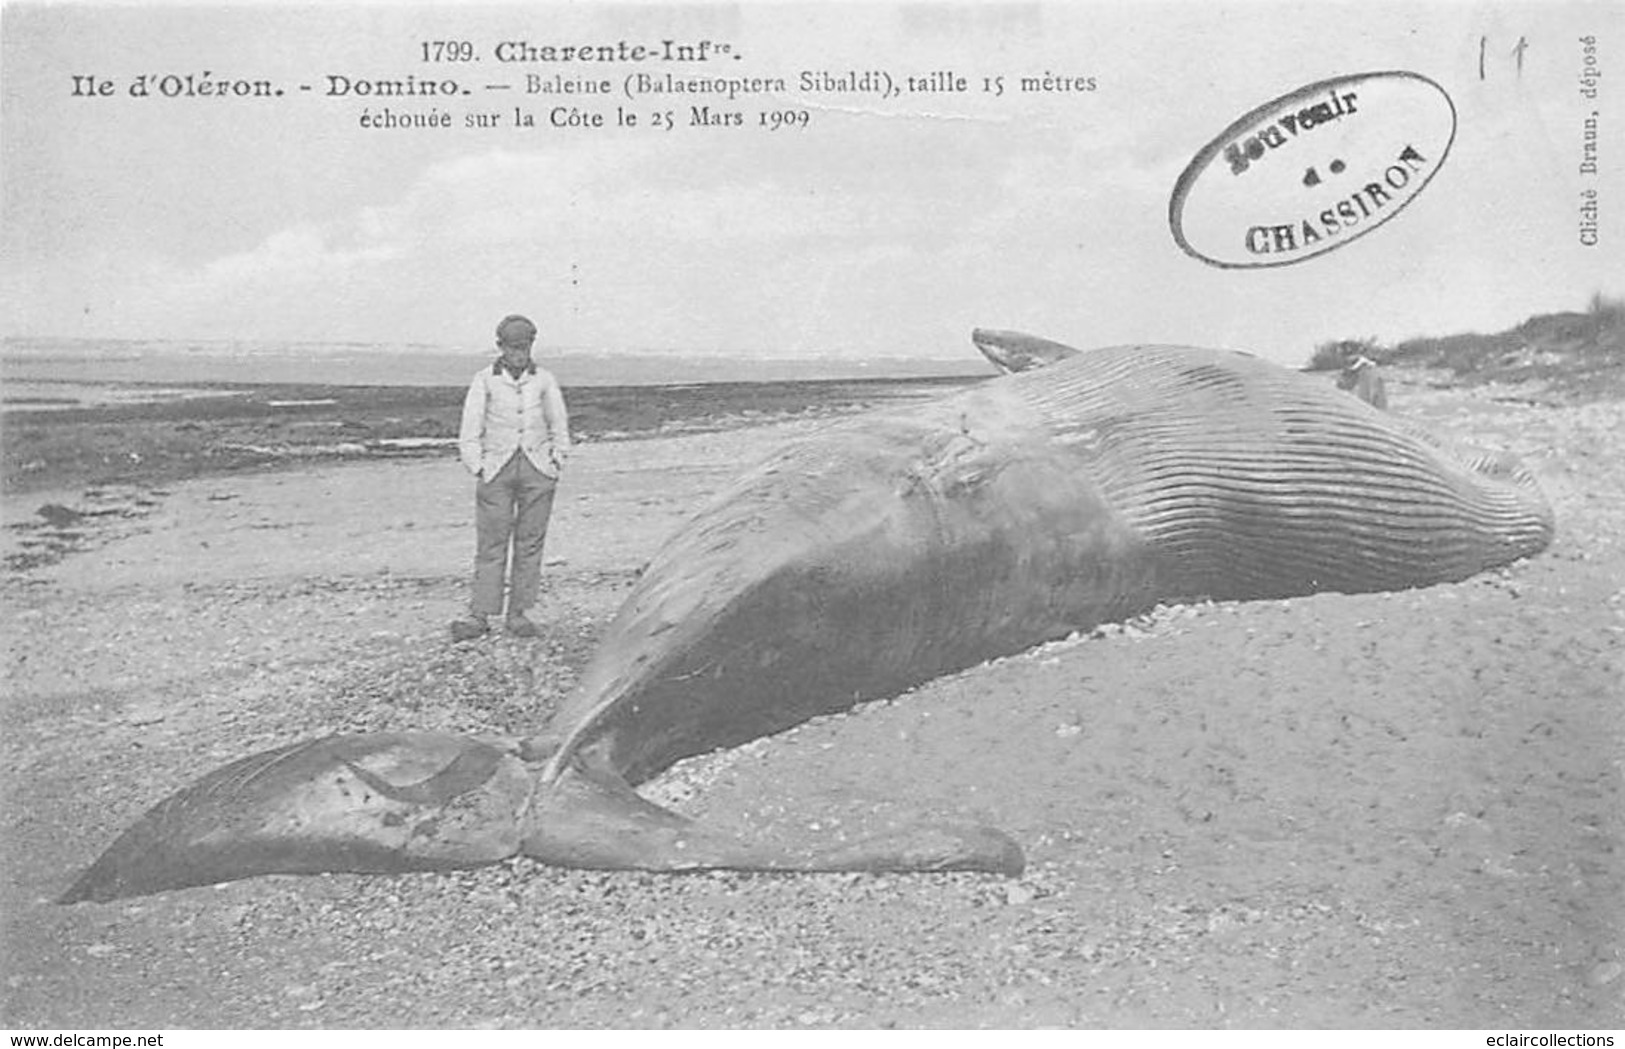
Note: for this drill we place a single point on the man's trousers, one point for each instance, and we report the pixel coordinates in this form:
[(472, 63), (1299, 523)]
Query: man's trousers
[(511, 512)]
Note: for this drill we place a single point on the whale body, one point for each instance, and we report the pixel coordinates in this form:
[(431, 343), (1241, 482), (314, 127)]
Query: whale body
[(872, 556)]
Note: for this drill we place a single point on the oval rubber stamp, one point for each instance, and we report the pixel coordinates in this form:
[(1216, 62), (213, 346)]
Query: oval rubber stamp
[(1313, 170)]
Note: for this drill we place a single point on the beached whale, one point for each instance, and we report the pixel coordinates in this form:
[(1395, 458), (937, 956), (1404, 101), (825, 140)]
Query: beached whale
[(851, 565)]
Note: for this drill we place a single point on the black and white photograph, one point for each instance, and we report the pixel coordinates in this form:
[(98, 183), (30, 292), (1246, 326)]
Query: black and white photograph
[(891, 515)]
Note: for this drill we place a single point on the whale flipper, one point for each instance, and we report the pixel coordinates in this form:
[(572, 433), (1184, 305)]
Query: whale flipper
[(1014, 351)]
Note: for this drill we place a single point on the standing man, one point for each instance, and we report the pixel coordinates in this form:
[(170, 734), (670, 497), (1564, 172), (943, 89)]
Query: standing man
[(1364, 379), (514, 439)]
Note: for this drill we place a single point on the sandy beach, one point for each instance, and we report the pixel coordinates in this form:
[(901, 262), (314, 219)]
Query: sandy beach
[(1354, 811)]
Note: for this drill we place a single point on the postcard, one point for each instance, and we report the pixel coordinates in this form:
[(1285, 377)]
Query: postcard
[(812, 515)]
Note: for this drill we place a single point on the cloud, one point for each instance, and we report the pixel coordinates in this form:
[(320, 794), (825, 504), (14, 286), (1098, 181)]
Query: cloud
[(296, 258), (653, 243)]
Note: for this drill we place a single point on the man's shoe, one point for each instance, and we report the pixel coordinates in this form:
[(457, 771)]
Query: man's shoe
[(469, 629), (519, 626)]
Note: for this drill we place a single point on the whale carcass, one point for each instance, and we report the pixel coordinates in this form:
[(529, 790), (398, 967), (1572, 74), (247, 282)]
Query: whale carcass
[(851, 565)]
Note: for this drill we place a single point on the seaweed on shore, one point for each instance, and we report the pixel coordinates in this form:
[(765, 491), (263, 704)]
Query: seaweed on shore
[(232, 429)]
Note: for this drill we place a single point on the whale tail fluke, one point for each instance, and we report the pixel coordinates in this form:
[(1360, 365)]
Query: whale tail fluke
[(594, 819), (394, 802), (379, 802)]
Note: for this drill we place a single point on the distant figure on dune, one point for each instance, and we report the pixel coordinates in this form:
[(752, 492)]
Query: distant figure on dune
[(1363, 378), (514, 439)]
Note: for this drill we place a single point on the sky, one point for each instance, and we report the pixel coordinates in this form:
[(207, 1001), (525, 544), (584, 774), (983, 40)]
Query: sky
[(883, 228)]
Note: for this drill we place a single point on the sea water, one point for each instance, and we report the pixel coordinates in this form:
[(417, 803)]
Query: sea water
[(40, 373)]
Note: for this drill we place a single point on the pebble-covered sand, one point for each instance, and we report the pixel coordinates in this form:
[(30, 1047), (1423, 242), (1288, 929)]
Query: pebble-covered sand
[(1383, 810)]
